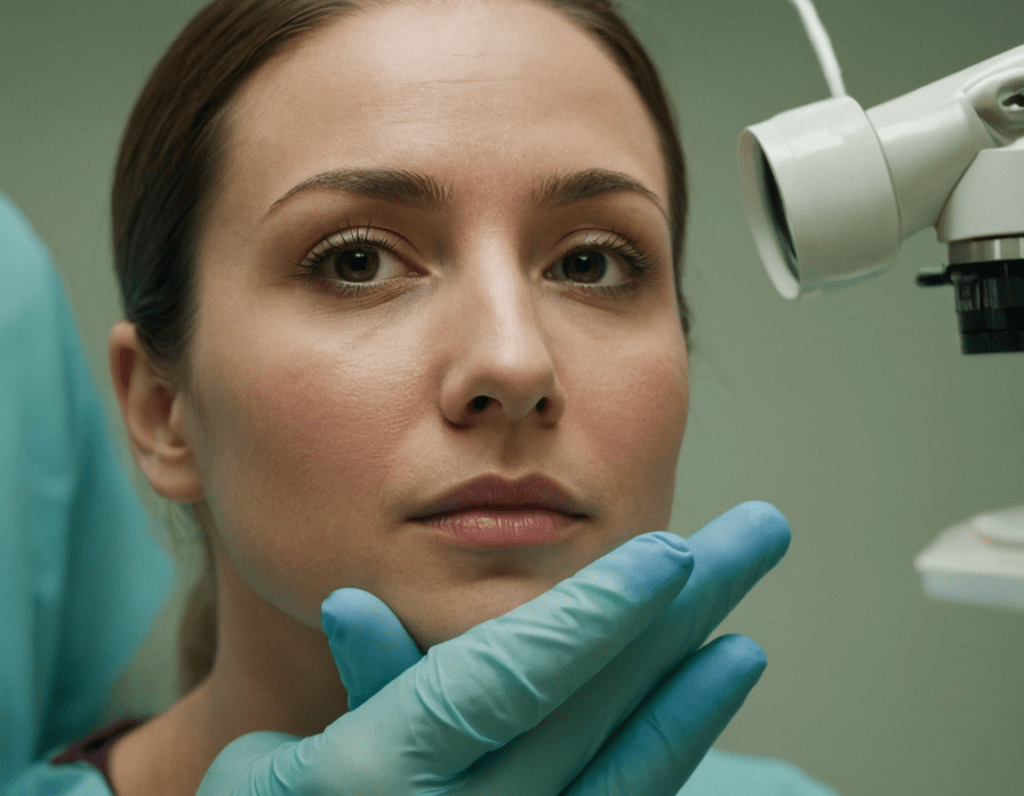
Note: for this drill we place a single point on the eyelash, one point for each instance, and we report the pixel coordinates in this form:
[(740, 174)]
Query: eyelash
[(640, 266), (350, 238)]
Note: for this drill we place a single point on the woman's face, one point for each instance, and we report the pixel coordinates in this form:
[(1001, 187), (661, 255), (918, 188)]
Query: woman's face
[(438, 252)]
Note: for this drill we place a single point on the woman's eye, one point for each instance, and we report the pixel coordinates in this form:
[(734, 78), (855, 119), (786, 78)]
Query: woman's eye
[(586, 267), (591, 267), (353, 259), (354, 265)]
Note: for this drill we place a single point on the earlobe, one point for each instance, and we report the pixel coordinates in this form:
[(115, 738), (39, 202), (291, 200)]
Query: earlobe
[(151, 409)]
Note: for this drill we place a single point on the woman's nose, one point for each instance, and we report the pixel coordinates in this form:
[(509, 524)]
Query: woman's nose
[(504, 366)]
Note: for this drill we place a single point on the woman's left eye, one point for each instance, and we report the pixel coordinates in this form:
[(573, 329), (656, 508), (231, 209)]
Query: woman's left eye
[(603, 264), (586, 267), (359, 264)]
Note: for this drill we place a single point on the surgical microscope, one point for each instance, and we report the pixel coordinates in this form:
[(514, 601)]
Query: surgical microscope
[(831, 191)]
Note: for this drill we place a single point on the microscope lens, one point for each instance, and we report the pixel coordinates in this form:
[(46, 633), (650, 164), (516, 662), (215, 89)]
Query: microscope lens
[(779, 220), (990, 305)]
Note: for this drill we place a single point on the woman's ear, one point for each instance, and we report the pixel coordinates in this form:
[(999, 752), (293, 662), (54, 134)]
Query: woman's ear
[(153, 415)]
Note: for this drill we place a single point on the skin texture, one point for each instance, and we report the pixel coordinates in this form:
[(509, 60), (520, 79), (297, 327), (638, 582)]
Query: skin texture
[(316, 423)]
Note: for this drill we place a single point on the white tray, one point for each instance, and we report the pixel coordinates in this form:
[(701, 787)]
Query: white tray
[(980, 561)]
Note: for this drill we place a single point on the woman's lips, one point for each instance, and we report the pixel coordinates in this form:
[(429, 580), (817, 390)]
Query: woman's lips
[(492, 511), (502, 528)]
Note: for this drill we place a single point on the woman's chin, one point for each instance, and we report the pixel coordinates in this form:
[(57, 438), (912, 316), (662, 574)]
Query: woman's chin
[(462, 592), (467, 607)]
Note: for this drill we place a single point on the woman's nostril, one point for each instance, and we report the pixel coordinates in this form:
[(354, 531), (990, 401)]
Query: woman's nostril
[(481, 402)]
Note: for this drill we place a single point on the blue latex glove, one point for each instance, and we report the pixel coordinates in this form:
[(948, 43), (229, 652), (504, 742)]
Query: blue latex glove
[(81, 578), (596, 687)]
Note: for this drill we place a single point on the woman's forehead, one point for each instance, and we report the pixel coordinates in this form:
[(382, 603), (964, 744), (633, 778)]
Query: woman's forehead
[(473, 94)]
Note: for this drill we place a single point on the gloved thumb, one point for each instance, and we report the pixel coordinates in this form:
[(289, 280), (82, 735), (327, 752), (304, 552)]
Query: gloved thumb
[(369, 644)]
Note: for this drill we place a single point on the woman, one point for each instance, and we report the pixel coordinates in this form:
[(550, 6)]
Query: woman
[(401, 283)]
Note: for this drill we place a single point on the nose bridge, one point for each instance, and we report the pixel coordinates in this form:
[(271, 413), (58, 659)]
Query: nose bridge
[(504, 363), (508, 322)]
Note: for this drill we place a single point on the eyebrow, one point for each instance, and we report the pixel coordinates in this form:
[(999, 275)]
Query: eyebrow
[(406, 187), (393, 185), (562, 189)]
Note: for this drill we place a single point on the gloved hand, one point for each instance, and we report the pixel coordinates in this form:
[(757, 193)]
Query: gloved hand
[(596, 687)]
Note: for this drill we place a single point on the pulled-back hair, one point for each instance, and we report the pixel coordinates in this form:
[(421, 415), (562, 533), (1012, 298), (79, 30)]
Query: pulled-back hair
[(170, 160)]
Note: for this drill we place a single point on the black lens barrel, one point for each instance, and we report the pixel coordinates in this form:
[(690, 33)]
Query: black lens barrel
[(989, 304)]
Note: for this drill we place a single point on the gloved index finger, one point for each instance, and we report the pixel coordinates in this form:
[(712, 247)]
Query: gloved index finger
[(476, 692), (731, 554), (369, 644)]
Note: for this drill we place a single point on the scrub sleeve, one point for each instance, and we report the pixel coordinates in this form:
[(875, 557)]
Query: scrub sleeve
[(719, 774), (81, 578)]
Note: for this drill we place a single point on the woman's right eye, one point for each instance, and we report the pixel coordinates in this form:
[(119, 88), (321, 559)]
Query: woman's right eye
[(353, 257), (354, 265)]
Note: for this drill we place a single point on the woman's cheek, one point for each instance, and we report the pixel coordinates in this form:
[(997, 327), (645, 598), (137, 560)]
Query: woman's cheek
[(635, 420), (296, 454)]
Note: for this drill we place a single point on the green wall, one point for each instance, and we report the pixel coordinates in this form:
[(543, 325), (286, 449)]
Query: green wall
[(855, 413)]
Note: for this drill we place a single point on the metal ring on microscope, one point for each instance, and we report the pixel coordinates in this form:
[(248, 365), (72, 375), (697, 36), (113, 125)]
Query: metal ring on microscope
[(985, 250)]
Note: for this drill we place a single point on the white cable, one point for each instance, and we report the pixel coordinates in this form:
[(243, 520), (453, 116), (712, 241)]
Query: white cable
[(822, 46)]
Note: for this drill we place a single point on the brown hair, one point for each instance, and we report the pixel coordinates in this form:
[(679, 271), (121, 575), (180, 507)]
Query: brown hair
[(169, 162)]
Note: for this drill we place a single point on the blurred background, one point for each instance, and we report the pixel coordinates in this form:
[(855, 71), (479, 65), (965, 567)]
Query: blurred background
[(854, 413)]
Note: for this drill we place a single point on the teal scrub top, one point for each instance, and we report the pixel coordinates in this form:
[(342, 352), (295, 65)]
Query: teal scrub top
[(81, 577), (719, 774)]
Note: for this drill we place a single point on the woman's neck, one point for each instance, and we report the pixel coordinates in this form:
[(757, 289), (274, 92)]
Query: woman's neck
[(271, 672)]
